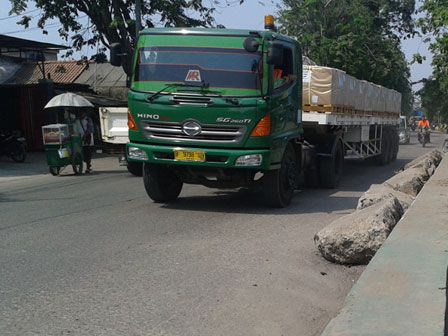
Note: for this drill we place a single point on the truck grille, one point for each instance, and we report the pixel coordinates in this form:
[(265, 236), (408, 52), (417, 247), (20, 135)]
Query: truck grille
[(218, 134)]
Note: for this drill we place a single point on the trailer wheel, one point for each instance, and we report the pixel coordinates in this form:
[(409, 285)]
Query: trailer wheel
[(383, 158), (396, 142), (391, 141), (331, 167), (279, 184), (311, 178), (161, 183), (135, 168)]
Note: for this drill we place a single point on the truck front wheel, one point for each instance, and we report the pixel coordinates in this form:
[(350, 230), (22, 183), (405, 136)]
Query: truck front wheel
[(161, 183), (279, 184)]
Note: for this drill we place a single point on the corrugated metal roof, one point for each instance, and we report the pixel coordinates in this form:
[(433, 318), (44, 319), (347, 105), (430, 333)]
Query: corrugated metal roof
[(102, 75), (11, 42), (65, 72)]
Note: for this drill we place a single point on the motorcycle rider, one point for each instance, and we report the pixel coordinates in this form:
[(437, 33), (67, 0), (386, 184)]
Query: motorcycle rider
[(424, 124)]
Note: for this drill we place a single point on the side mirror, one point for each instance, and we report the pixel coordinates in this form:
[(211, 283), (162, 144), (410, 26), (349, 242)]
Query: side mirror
[(115, 54), (275, 53), (251, 45)]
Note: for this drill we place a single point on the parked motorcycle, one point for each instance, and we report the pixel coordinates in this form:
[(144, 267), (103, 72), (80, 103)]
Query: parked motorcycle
[(423, 136), (13, 145)]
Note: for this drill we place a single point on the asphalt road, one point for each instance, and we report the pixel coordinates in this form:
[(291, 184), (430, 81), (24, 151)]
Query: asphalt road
[(93, 255)]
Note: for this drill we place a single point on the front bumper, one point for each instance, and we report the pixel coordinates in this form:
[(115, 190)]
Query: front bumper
[(218, 158)]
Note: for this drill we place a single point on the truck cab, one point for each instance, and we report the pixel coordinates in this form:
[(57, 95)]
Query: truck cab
[(214, 107)]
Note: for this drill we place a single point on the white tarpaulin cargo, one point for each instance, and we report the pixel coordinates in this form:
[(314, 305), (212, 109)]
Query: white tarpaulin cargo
[(329, 87)]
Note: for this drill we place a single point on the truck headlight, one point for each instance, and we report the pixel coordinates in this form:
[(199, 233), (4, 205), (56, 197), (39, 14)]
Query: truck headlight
[(249, 160), (137, 154)]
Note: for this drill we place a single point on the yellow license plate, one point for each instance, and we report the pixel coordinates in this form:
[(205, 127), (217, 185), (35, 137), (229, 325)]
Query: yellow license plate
[(184, 155)]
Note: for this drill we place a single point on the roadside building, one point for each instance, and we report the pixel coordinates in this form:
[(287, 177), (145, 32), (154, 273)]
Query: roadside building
[(30, 75)]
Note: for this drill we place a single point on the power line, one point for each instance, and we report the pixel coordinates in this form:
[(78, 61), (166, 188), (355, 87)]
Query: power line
[(11, 17), (51, 25)]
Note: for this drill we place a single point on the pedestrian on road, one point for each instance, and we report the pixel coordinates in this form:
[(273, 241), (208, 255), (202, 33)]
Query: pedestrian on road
[(84, 126)]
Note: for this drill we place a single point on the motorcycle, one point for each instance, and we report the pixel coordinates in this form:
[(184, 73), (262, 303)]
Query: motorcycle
[(13, 145), (423, 136)]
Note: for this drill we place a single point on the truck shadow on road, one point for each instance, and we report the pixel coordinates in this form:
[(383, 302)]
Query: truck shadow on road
[(358, 177)]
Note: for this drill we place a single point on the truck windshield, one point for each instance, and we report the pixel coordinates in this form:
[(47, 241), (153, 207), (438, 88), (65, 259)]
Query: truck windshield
[(224, 68)]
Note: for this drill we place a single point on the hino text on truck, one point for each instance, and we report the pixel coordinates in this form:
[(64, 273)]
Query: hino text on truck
[(236, 108)]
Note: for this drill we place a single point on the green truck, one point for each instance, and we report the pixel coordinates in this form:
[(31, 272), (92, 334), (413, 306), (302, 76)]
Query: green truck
[(206, 106)]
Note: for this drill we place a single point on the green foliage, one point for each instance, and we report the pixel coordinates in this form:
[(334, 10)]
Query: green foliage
[(434, 100), (435, 91), (112, 21), (361, 37)]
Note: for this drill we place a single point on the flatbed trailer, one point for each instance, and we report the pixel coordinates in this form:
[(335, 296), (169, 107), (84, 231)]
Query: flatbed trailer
[(363, 135)]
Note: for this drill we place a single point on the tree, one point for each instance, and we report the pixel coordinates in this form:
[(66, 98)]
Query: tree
[(112, 21), (361, 37), (435, 90), (434, 100)]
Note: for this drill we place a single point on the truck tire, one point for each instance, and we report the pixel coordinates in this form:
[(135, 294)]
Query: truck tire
[(396, 143), (331, 167), (161, 183), (311, 178), (279, 184), (383, 158), (391, 141), (135, 168)]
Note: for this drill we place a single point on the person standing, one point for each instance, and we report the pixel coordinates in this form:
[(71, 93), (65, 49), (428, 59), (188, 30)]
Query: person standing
[(84, 126)]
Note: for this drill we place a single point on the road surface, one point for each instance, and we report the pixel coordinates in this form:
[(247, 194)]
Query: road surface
[(93, 255)]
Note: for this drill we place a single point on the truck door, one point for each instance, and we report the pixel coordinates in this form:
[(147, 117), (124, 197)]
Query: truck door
[(285, 88)]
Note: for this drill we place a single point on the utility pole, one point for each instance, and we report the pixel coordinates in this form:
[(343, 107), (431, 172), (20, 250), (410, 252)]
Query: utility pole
[(138, 19)]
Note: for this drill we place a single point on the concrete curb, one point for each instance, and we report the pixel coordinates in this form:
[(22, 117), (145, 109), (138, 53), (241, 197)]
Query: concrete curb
[(402, 291)]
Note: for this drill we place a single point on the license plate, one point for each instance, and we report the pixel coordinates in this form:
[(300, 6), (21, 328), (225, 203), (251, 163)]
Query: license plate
[(184, 155)]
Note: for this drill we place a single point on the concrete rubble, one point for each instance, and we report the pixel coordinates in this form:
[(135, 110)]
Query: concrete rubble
[(409, 181), (355, 238), (380, 192)]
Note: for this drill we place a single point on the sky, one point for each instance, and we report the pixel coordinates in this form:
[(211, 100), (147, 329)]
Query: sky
[(249, 15)]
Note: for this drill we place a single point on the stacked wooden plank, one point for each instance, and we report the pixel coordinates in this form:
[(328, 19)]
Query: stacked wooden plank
[(329, 90)]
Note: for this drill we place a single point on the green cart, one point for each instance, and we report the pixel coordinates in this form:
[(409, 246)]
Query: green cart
[(63, 147)]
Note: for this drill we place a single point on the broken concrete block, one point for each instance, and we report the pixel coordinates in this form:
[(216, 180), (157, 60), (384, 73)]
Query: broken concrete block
[(409, 181), (355, 238), (380, 192), (429, 160)]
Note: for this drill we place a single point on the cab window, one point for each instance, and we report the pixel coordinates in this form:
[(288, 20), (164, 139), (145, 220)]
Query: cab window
[(283, 74)]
